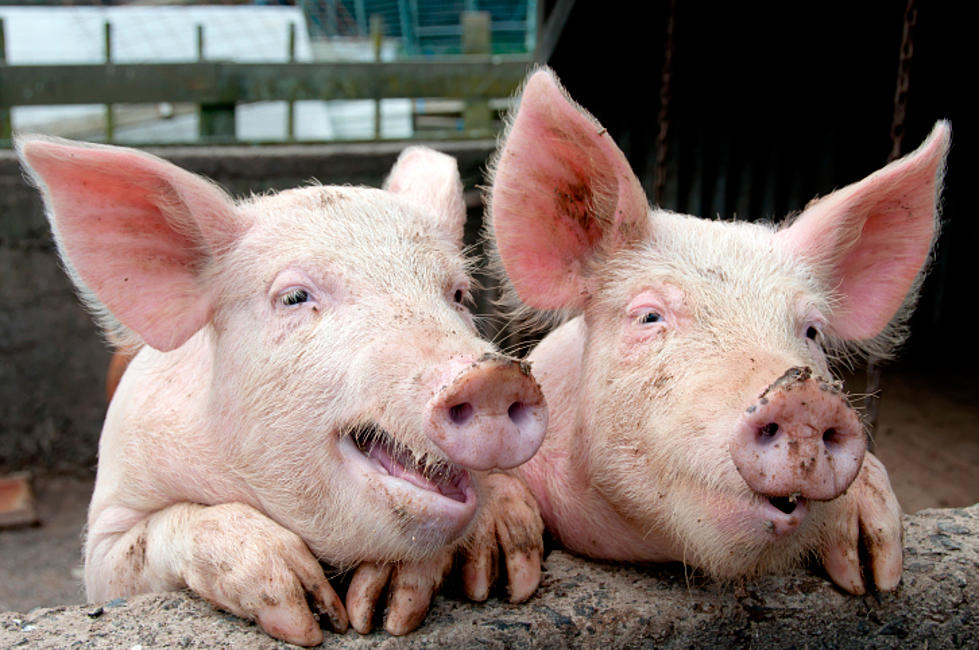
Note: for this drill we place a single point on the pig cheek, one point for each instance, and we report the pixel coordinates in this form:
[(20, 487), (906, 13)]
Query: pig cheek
[(628, 401), (422, 528)]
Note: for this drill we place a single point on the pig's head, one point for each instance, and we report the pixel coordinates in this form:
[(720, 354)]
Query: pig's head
[(329, 359), (706, 416)]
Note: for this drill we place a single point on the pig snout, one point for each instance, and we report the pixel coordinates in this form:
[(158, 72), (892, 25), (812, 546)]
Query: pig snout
[(491, 415), (801, 438)]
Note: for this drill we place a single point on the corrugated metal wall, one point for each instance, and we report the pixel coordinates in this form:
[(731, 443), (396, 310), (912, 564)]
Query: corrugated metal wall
[(773, 103)]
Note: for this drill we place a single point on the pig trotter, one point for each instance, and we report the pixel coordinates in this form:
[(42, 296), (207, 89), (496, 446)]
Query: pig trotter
[(510, 522), (870, 515), (244, 563), (364, 591), (411, 587)]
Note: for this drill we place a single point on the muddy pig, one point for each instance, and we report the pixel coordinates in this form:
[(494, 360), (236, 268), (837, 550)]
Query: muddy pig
[(308, 387), (693, 414)]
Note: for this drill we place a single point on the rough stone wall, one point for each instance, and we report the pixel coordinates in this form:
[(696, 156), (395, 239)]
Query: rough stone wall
[(592, 605), (52, 359)]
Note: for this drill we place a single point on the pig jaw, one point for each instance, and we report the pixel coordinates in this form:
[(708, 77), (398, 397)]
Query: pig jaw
[(480, 411), (435, 502)]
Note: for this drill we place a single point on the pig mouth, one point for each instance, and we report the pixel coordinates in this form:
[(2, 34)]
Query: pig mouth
[(388, 456), (781, 517), (787, 505)]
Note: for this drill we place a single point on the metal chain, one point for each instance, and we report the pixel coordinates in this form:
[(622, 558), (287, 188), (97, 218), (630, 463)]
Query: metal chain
[(663, 118), (903, 81), (897, 136)]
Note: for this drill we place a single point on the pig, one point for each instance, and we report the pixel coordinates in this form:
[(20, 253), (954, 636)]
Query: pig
[(693, 413), (307, 387), (117, 367)]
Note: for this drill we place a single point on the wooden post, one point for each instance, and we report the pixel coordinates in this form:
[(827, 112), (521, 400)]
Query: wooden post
[(216, 121), (291, 105), (110, 122), (6, 131), (476, 40), (377, 36)]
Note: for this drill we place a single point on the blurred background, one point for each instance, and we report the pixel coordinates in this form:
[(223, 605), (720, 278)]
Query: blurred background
[(725, 110), (299, 95)]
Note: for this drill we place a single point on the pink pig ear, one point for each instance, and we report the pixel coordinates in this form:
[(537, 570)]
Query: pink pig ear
[(135, 233), (562, 191), (869, 241), (431, 179)]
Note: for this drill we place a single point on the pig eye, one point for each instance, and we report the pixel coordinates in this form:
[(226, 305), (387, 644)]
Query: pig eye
[(812, 333), (650, 317), (295, 297), (460, 295)]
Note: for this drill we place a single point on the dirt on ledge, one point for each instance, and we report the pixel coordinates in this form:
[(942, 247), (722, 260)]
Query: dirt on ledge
[(591, 605)]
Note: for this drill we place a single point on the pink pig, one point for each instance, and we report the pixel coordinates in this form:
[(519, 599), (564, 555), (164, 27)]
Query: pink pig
[(693, 413), (309, 387)]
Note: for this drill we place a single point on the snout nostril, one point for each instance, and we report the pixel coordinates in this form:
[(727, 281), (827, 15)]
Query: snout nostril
[(831, 437), (460, 413), (767, 432), (518, 413)]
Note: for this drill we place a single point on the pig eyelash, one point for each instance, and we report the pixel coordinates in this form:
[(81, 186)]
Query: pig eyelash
[(647, 312), (294, 297), (648, 316)]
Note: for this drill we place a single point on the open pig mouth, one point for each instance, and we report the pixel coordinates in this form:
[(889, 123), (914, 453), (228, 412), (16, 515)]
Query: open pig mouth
[(387, 456), (781, 516), (787, 504)]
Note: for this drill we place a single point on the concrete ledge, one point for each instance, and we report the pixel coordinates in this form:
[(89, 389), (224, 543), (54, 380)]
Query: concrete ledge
[(588, 604)]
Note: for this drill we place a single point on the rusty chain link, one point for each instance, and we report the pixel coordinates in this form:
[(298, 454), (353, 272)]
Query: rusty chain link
[(897, 136)]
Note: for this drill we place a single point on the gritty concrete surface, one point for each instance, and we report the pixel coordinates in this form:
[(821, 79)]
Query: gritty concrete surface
[(591, 605)]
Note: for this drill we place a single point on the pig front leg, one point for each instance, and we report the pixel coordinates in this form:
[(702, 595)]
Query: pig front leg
[(870, 512), (509, 522), (231, 555)]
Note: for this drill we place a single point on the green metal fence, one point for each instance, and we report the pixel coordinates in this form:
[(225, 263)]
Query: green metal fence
[(473, 80)]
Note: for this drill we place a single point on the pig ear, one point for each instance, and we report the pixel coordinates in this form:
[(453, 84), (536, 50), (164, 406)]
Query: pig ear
[(870, 241), (562, 192), (432, 180), (135, 233)]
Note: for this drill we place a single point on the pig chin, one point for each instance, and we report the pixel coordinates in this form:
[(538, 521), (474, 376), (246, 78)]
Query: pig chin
[(748, 533), (432, 500)]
